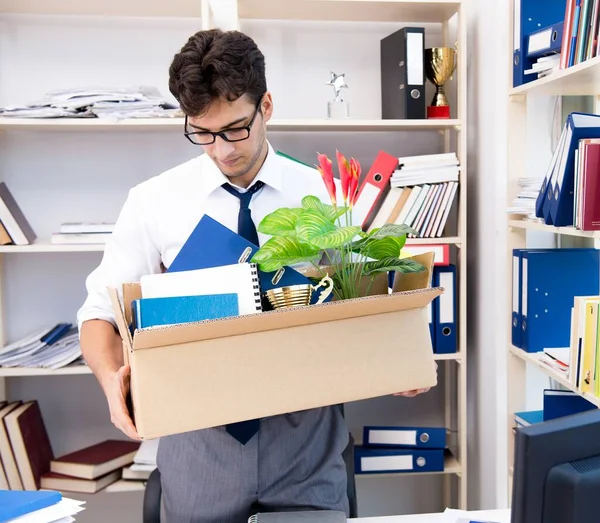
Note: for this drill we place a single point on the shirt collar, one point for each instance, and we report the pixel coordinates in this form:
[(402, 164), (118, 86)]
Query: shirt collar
[(270, 173)]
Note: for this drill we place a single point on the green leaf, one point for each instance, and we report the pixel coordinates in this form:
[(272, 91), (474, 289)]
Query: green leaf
[(392, 229), (388, 247), (314, 228), (281, 222), (280, 251), (392, 264), (328, 211)]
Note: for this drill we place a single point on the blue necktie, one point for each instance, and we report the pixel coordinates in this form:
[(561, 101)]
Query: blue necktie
[(244, 430)]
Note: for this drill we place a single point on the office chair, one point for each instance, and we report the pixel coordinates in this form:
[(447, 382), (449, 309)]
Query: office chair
[(152, 494)]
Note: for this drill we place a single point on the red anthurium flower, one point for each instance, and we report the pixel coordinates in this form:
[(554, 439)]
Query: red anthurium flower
[(326, 170), (354, 176), (344, 168)]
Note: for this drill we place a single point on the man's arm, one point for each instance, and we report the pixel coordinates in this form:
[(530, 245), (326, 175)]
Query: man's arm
[(129, 254), (102, 349)]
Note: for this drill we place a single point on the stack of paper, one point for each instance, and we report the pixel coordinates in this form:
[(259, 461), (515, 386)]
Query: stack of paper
[(144, 462), (23, 506), (97, 102), (52, 347), (524, 203)]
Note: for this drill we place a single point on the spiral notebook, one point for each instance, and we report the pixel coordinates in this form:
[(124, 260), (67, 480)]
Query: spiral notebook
[(305, 516), (239, 278)]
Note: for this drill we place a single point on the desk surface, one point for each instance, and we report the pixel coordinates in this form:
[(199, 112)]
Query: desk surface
[(497, 516)]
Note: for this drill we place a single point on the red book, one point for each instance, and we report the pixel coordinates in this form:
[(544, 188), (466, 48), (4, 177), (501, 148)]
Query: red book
[(96, 460), (30, 443), (590, 185)]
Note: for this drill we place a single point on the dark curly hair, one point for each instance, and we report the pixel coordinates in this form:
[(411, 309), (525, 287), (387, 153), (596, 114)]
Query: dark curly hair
[(216, 64)]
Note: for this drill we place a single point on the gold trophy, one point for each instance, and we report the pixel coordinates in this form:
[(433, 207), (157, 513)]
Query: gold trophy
[(299, 295), (440, 63)]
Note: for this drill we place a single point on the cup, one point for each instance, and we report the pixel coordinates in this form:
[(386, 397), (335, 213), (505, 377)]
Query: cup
[(440, 63), (299, 295)]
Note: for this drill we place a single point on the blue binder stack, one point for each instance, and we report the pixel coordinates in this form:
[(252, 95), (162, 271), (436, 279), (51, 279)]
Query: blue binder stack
[(400, 449), (545, 283)]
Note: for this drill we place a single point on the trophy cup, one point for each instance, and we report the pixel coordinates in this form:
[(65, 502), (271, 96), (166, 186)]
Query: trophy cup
[(440, 63), (337, 108)]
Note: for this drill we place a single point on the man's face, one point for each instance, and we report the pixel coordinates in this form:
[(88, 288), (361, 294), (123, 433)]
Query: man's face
[(235, 159)]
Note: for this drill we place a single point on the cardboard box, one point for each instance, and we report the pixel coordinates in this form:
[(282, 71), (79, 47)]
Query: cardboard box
[(211, 373)]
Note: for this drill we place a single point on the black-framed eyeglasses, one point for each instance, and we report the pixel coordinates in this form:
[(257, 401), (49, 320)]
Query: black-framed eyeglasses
[(233, 134)]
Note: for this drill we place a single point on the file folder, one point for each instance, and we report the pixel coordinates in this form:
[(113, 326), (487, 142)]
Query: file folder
[(380, 461), (516, 326), (529, 17), (561, 199), (559, 403), (545, 41), (404, 437), (373, 190), (211, 244), (403, 74), (445, 309), (550, 281)]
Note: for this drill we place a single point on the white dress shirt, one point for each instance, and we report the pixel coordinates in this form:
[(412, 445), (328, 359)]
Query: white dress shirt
[(160, 214)]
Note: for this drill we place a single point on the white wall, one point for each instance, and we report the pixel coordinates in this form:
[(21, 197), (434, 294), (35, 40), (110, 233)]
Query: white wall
[(63, 176), (488, 73)]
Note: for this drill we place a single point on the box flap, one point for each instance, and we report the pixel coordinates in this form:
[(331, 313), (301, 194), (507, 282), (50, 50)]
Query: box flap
[(284, 318), (120, 317), (416, 280), (131, 291)]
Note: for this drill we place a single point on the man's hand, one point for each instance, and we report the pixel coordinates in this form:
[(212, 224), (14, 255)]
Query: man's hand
[(416, 392), (412, 393), (116, 392)]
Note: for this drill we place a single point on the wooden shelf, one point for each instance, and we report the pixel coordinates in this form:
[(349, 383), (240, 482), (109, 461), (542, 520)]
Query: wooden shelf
[(542, 227), (534, 359), (581, 79), (21, 372), (451, 466), (284, 124), (422, 11), (331, 10), (173, 8), (47, 247)]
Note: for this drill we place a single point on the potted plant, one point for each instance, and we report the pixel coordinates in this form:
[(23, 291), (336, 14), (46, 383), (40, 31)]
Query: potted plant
[(323, 235)]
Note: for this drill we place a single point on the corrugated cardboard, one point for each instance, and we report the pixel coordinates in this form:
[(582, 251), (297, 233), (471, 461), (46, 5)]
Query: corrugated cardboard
[(207, 374)]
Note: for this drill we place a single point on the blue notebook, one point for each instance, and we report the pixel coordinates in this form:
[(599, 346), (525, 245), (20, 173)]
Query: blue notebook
[(15, 503), (211, 244), (172, 310)]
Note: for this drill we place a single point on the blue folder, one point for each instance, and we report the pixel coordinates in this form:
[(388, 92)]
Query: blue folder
[(404, 437), (383, 461), (211, 244), (551, 278), (16, 503), (445, 310), (173, 310), (560, 403), (534, 14), (562, 198)]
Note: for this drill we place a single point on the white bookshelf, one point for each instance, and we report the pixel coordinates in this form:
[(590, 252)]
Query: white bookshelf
[(580, 80), (176, 124), (449, 17)]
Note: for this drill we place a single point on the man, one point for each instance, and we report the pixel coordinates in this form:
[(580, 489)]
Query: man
[(220, 474)]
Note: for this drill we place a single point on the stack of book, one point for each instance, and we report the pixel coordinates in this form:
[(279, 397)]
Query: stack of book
[(586, 213), (422, 191), (14, 227), (74, 233), (135, 475)]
